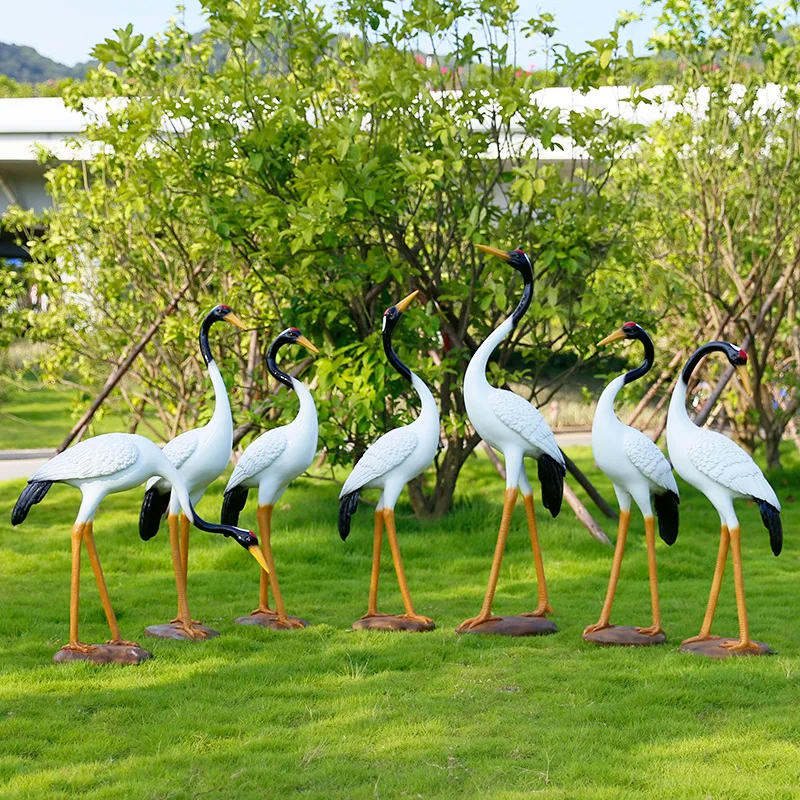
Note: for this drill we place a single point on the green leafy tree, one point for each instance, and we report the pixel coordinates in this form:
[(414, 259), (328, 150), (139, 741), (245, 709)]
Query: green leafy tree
[(717, 184), (313, 178)]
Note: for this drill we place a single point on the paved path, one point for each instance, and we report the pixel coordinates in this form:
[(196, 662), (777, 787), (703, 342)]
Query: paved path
[(15, 464)]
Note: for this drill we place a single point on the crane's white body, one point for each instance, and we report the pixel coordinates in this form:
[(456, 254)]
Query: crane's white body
[(506, 421), (636, 466), (399, 455), (201, 455), (280, 455), (110, 463), (712, 463)]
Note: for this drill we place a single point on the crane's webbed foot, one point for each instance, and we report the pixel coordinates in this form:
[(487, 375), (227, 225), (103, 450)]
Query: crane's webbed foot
[(374, 614), (474, 622), (80, 647), (122, 643), (701, 637), (598, 626), (264, 610), (287, 623), (542, 610), (652, 630), (738, 645), (416, 618)]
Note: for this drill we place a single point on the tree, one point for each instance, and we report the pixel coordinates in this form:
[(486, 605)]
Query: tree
[(717, 184), (320, 176)]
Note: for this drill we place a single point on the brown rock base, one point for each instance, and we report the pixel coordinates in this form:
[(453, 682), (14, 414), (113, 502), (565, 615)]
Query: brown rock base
[(271, 621), (623, 636), (712, 648), (391, 622), (515, 626), (105, 654), (173, 630)]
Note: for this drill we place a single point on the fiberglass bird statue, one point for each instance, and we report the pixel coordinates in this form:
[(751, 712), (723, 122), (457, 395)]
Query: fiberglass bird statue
[(201, 456), (389, 464), (722, 471), (103, 465), (638, 470), (510, 424), (269, 465)]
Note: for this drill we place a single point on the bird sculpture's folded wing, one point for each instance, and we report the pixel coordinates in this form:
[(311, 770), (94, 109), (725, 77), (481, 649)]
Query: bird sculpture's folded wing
[(178, 451), (94, 458), (723, 461), (258, 456), (519, 415), (391, 450), (646, 456)]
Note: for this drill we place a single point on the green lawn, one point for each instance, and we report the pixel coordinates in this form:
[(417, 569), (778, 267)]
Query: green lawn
[(324, 713), (34, 416)]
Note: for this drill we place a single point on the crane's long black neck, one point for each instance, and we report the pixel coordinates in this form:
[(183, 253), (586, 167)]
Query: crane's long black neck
[(272, 365), (647, 364), (213, 527), (390, 353), (527, 293), (699, 355), (205, 348)]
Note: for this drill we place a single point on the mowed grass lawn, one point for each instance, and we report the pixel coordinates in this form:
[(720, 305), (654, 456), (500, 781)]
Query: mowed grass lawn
[(327, 713)]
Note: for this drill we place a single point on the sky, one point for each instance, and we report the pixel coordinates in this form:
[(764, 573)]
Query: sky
[(67, 31)]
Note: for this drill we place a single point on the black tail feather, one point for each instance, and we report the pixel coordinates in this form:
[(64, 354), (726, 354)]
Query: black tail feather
[(233, 503), (32, 494), (666, 507), (551, 477), (154, 507), (347, 507), (771, 518)]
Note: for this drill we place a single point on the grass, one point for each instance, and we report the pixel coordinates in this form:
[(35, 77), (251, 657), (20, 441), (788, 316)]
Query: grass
[(326, 713), (33, 415)]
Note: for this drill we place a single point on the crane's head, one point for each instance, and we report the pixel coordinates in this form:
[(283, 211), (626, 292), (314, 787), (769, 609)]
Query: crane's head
[(249, 541), (630, 330), (737, 358), (293, 336), (516, 258), (393, 313), (224, 313)]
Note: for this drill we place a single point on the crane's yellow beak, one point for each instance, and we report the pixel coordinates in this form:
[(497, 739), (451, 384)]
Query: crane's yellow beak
[(614, 337), (744, 377), (255, 551), (494, 251), (234, 320), (303, 341), (406, 301)]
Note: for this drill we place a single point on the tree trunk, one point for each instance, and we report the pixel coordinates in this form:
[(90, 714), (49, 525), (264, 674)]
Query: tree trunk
[(772, 440)]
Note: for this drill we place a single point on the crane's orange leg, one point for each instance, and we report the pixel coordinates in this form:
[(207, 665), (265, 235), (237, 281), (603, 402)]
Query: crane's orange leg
[(88, 537), (650, 535), (716, 585), (75, 592), (543, 608), (377, 544), (744, 642), (264, 514), (184, 619), (619, 552), (391, 533), (184, 526), (494, 574), (264, 518)]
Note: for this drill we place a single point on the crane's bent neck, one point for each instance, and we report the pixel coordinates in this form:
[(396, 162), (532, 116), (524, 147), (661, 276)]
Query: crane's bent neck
[(647, 364), (273, 367), (605, 405), (476, 369), (221, 417), (429, 413), (392, 357), (205, 347), (677, 403), (308, 411)]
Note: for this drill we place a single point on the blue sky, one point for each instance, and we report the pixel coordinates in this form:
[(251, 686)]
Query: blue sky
[(66, 31)]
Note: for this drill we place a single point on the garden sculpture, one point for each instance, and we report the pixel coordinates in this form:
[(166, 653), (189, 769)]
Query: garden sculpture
[(201, 456), (638, 470), (269, 465), (388, 464), (510, 424), (722, 471), (103, 465)]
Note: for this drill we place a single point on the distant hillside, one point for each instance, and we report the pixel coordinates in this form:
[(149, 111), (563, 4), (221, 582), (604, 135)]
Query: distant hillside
[(26, 65)]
